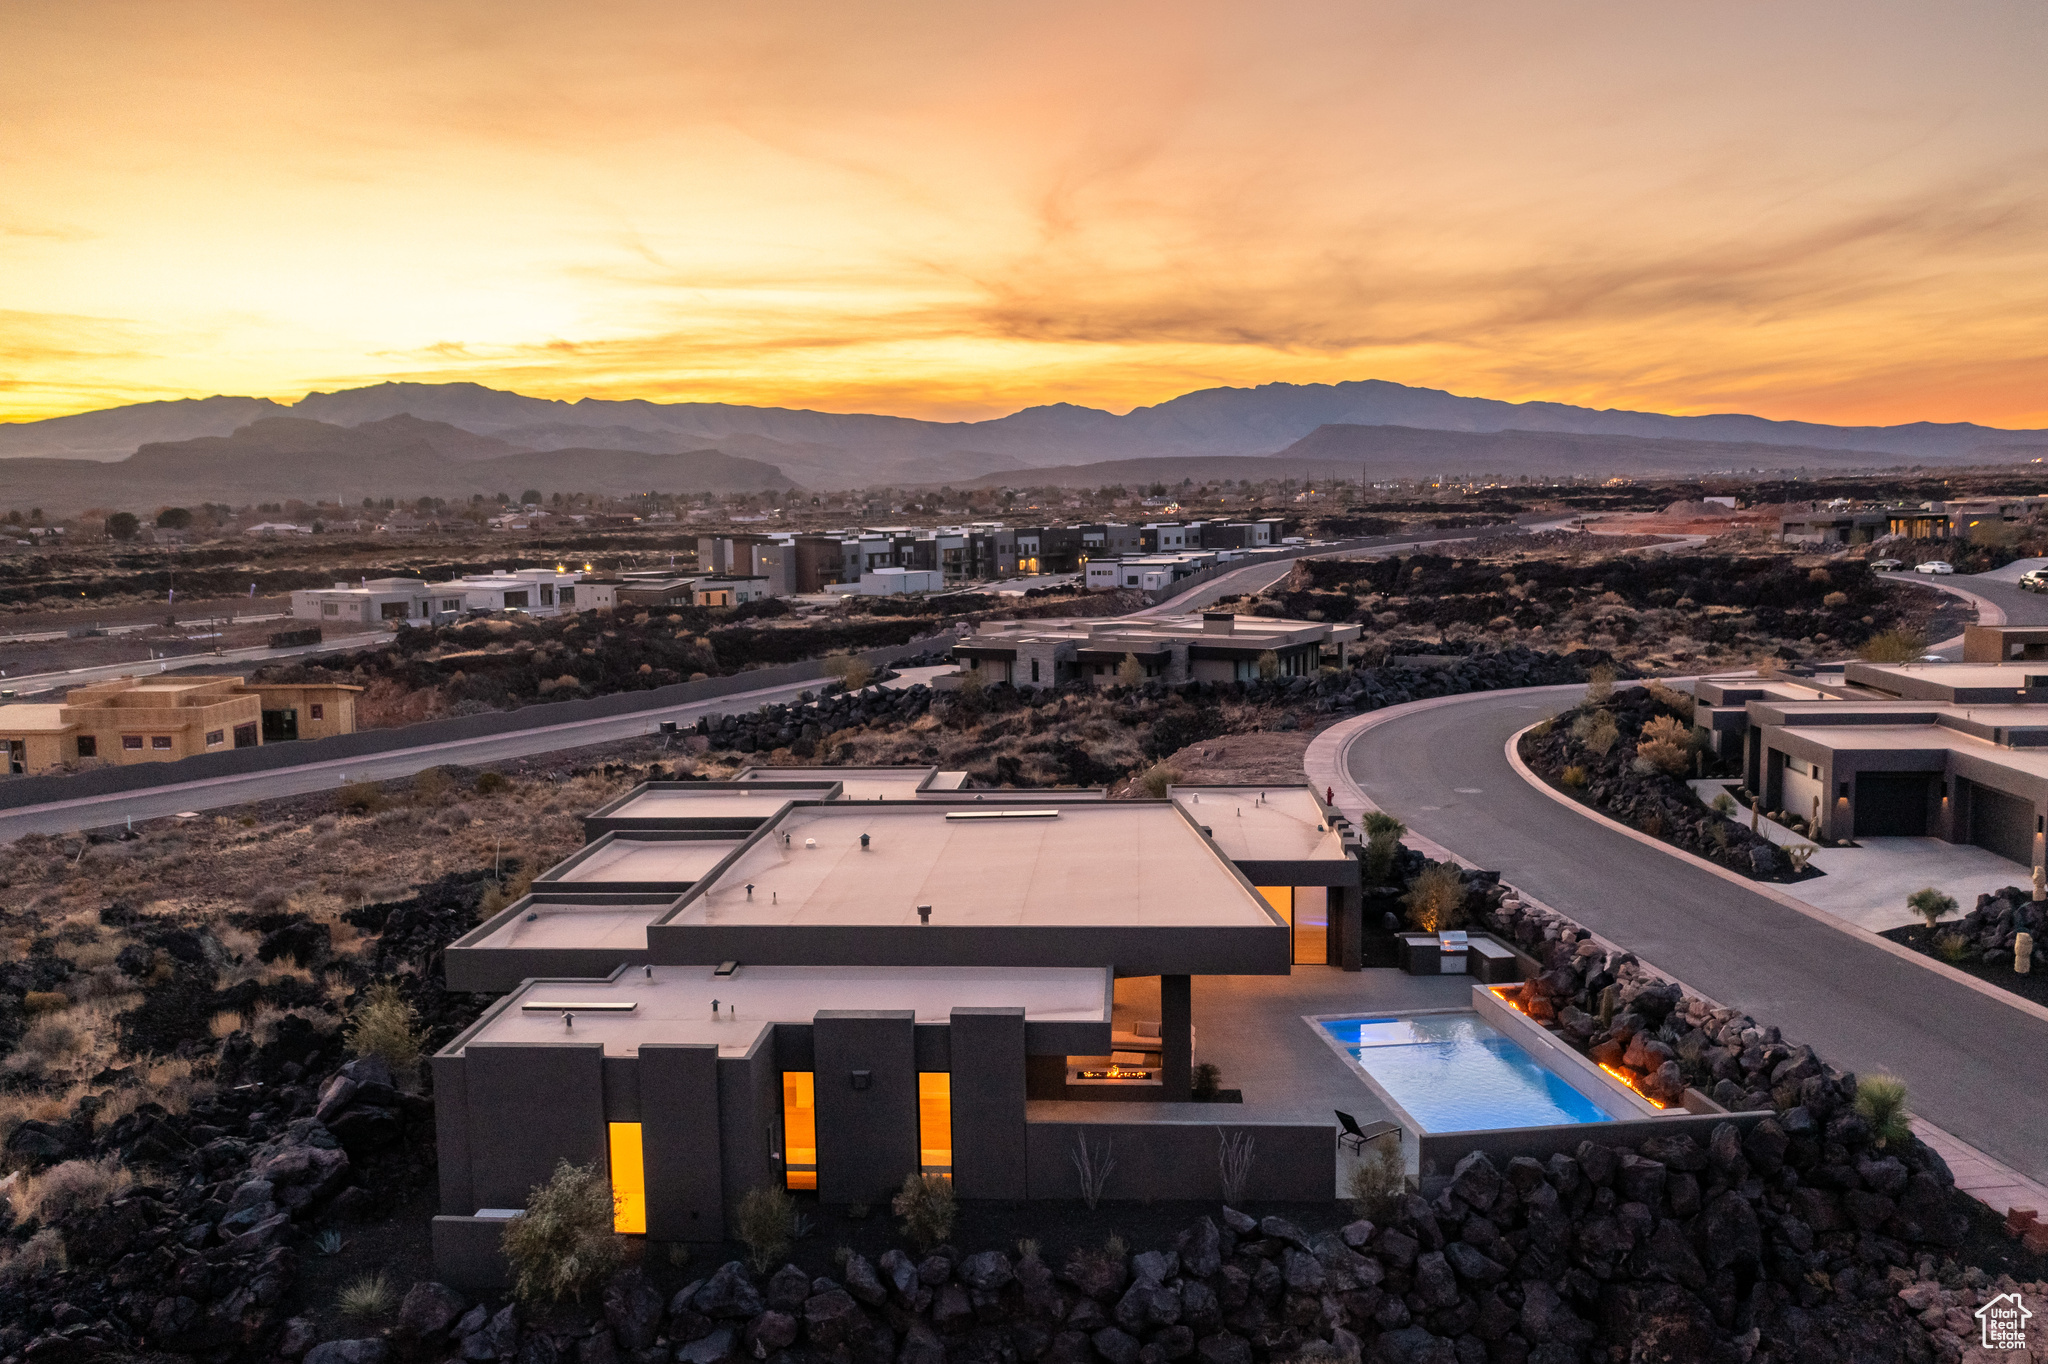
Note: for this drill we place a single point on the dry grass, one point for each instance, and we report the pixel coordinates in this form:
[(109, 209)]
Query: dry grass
[(44, 1250), (64, 1190)]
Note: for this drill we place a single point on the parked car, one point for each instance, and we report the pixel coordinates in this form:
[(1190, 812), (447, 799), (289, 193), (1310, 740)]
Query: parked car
[(1934, 566), (2034, 580), (1885, 565)]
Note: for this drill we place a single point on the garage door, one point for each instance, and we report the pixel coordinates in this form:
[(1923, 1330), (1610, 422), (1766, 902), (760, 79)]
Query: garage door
[(2002, 823), (1892, 804)]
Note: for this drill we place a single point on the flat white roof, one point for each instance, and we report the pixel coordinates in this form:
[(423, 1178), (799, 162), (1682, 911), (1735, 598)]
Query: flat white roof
[(862, 783), (1263, 823), (673, 1004), (557, 924), (711, 802), (29, 717), (1086, 864), (649, 859)]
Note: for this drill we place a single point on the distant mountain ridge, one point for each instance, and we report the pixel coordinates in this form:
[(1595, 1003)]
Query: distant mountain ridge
[(839, 450), (280, 457)]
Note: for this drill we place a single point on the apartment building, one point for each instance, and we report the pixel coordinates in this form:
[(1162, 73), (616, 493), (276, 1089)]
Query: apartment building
[(827, 979), (164, 718)]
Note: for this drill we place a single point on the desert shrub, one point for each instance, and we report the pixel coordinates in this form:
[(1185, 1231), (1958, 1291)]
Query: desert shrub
[(1724, 804), (925, 1203), (45, 1001), (1952, 948), (1597, 731), (1377, 1181), (1893, 646), (49, 1038), (1930, 904), (852, 672), (1835, 601), (1436, 900), (1130, 672), (361, 797), (490, 783), (1157, 778), (1671, 698), (564, 1242), (767, 1215), (44, 1250), (432, 786), (1269, 665), (367, 1297), (386, 1026), (1379, 822), (1380, 852), (1574, 777), (1599, 684), (71, 1188), (1207, 1078), (1881, 1102), (1663, 745)]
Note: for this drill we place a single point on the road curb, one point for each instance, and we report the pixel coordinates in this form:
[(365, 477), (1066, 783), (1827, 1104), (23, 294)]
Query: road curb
[(1770, 892)]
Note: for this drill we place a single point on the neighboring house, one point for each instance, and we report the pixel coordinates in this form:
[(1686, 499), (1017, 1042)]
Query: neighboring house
[(275, 528), (892, 582), (164, 718), (1955, 751), (1214, 647), (536, 591), (377, 600)]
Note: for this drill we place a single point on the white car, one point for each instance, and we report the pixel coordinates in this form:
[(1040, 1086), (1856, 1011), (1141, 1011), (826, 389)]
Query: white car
[(2034, 580), (1933, 566)]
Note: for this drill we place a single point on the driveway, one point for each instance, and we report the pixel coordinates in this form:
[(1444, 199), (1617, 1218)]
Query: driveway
[(1973, 1064)]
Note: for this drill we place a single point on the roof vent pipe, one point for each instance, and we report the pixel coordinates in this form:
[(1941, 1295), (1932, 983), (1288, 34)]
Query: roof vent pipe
[(924, 915)]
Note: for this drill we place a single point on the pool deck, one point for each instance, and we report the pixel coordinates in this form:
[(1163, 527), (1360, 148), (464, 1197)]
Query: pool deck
[(1254, 1029)]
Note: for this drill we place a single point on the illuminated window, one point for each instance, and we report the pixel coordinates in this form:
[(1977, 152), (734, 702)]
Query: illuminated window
[(799, 1129), (1282, 900), (629, 1180), (935, 1122)]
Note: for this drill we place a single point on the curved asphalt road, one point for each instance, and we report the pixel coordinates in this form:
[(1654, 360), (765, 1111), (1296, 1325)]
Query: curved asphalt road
[(1976, 1066)]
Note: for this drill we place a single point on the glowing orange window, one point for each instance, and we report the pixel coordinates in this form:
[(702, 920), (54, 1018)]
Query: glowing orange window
[(629, 1180), (935, 1122), (799, 1129)]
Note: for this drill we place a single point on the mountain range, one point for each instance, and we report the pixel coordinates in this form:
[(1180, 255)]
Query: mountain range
[(435, 437)]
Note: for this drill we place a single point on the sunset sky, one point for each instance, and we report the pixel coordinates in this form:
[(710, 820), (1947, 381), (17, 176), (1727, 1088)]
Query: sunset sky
[(1836, 212)]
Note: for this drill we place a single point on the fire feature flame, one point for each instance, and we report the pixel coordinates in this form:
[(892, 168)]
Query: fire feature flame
[(1630, 1081)]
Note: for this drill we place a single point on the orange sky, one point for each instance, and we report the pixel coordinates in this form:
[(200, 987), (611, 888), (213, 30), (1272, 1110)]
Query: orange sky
[(1827, 211)]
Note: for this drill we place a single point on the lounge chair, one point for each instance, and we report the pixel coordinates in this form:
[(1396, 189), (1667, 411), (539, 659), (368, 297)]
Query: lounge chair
[(1358, 1136)]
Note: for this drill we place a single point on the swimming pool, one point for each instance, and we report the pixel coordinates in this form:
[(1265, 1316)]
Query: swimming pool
[(1455, 1072)]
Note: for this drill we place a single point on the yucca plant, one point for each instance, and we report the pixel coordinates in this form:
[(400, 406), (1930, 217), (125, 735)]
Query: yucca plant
[(1930, 904), (1881, 1102)]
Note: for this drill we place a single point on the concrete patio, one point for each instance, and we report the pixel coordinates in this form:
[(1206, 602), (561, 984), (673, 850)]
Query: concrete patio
[(1252, 1028)]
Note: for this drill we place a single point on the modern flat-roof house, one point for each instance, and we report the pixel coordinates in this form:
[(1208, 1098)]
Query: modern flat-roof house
[(826, 979), (379, 600), (162, 719), (1956, 751), (1213, 647)]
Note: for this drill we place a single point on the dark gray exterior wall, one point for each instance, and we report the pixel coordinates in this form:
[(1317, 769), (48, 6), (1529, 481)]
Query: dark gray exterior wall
[(1251, 951), (990, 1148), (451, 1135), (867, 1136), (529, 1107), (1160, 1155), (469, 1254), (750, 1139), (680, 1122)]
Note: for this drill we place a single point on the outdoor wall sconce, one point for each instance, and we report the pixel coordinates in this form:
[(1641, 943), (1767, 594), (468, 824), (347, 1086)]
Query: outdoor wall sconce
[(862, 1079), (924, 915)]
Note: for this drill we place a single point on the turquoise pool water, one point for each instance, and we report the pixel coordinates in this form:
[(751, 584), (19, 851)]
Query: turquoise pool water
[(1457, 1073)]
